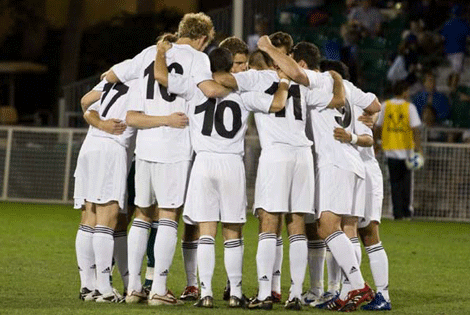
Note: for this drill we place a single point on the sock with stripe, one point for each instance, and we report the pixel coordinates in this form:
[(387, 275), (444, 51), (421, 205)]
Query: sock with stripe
[(343, 251), (138, 235), (150, 253), (298, 254), (233, 259), (120, 255), (85, 256), (190, 262), (316, 265), (103, 247), (379, 267), (265, 258), (164, 249), (276, 282), (346, 287), (206, 263), (334, 272)]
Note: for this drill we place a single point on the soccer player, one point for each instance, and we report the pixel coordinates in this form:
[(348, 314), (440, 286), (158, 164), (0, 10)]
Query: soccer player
[(217, 190), (335, 198), (163, 155), (100, 183)]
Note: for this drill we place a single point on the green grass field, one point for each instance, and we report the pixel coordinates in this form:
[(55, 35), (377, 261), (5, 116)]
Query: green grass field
[(429, 267)]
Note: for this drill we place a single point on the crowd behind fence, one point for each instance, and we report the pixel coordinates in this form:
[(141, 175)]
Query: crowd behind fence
[(37, 165)]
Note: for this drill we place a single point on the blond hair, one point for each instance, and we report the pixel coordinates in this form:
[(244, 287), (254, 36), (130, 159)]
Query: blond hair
[(196, 25)]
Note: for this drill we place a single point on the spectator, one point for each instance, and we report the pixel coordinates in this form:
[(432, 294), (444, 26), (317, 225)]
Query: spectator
[(368, 16), (426, 11), (430, 121), (261, 28), (430, 96), (460, 104), (351, 33), (455, 33), (398, 127), (405, 65)]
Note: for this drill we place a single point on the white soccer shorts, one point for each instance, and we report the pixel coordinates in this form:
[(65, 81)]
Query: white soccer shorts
[(339, 191), (162, 183), (101, 173), (285, 181), (216, 190), (374, 195)]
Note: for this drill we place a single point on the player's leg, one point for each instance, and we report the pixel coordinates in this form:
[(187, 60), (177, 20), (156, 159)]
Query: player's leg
[(298, 257), (233, 260), (120, 248), (150, 254), (378, 264), (316, 263), (103, 247), (189, 244), (84, 251), (206, 262), (276, 283), (349, 226)]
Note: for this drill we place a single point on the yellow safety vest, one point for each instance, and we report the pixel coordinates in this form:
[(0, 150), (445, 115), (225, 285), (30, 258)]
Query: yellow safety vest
[(397, 133)]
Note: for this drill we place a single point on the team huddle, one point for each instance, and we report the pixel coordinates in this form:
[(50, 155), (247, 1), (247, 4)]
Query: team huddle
[(183, 115)]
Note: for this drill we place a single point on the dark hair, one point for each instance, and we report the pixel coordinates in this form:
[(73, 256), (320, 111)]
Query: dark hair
[(400, 87), (221, 60), (235, 45), (260, 60), (169, 37), (281, 39), (338, 66), (309, 53)]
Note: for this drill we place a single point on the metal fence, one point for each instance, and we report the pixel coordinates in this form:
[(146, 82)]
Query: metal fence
[(37, 165)]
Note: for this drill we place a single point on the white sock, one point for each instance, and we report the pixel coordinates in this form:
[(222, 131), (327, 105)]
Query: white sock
[(334, 272), (137, 245), (276, 282), (85, 256), (164, 249), (233, 259), (265, 263), (103, 246), (120, 255), (357, 249), (190, 262), (298, 254), (206, 263), (343, 252), (379, 267), (316, 265), (358, 253)]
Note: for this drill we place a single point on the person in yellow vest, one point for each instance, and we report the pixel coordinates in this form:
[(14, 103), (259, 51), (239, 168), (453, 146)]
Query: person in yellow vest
[(398, 128)]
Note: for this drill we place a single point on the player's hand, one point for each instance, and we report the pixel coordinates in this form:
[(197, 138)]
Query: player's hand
[(103, 75), (367, 120), (113, 126), (342, 135), (282, 75), (178, 120), (163, 46), (264, 43)]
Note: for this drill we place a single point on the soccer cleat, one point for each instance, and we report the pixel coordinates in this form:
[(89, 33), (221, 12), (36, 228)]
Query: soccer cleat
[(255, 304), (309, 298), (167, 299), (86, 295), (377, 304), (293, 304), (333, 304), (236, 302), (207, 302), (226, 295), (111, 297), (190, 293), (356, 298), (136, 297), (277, 296)]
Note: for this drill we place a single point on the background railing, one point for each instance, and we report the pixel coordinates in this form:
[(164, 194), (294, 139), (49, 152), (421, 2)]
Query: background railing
[(37, 165)]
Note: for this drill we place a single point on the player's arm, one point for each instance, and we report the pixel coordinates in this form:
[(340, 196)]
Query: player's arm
[(212, 89), (344, 136), (284, 62), (89, 98), (417, 139), (373, 107), (339, 94), (280, 96), (140, 120), (160, 69), (111, 76), (225, 79), (369, 120), (112, 126)]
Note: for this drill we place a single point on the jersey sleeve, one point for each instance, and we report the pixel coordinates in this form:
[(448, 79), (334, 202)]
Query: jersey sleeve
[(415, 121), (95, 106), (181, 85), (134, 99), (100, 86), (380, 120), (246, 80), (201, 70), (314, 79), (360, 98), (257, 101), (129, 69), (318, 98)]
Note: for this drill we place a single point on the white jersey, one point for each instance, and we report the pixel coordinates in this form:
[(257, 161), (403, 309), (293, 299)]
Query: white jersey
[(163, 144), (286, 127), (323, 121), (114, 102), (366, 153), (218, 125)]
